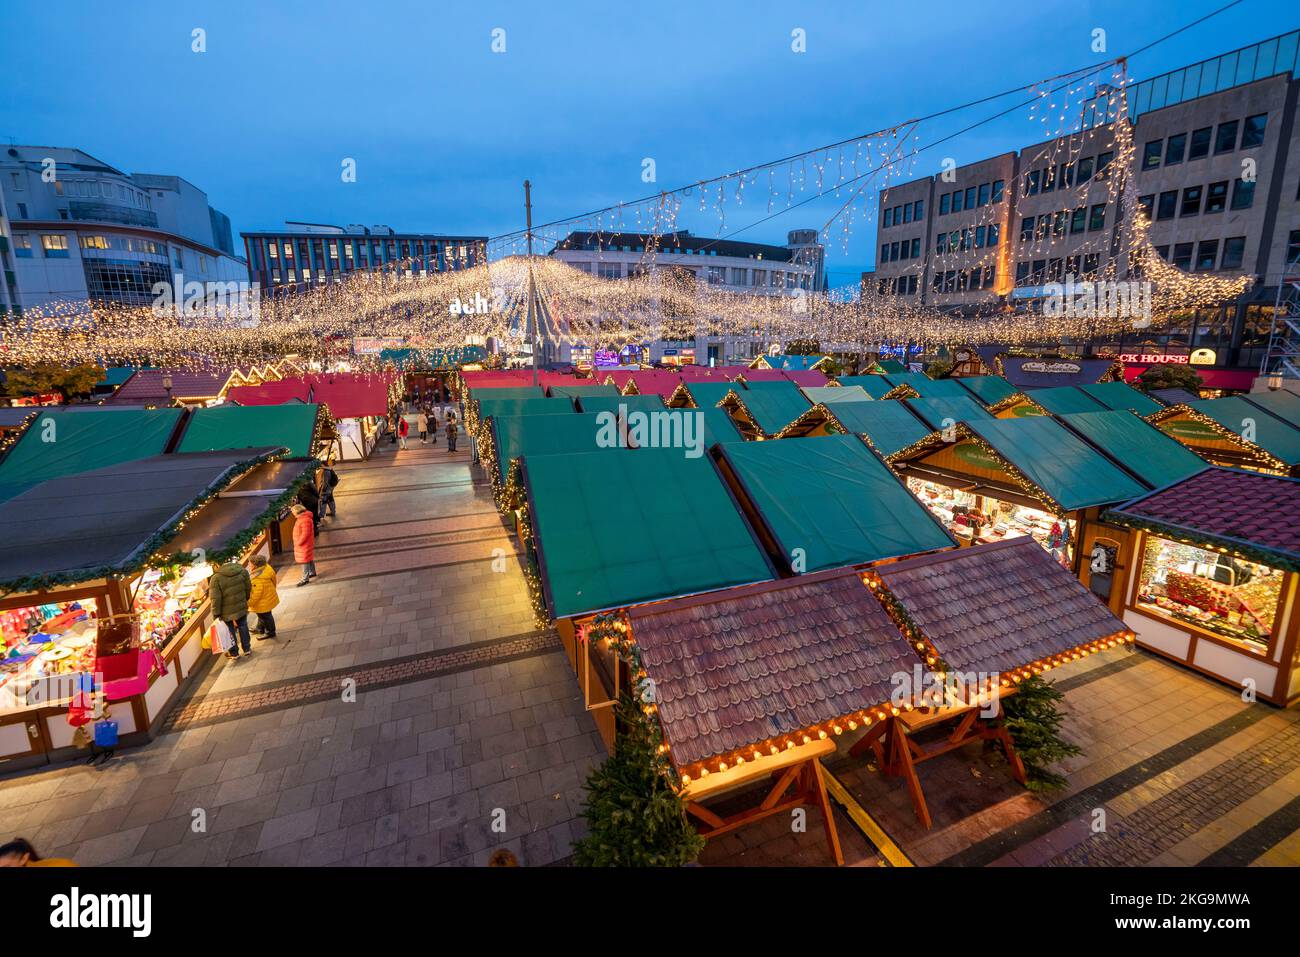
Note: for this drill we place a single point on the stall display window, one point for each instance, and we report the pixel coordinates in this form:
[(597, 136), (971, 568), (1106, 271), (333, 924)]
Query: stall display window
[(44, 642), (1229, 596), (976, 518), (166, 600)]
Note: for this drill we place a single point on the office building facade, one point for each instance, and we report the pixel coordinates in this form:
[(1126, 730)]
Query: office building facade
[(74, 229), (304, 254), (1217, 170)]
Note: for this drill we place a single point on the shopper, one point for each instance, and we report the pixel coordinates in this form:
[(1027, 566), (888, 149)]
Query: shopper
[(329, 479), (403, 429), (309, 498), (304, 543), (263, 597), (20, 853), (451, 432), (422, 426), (433, 425), (229, 588)]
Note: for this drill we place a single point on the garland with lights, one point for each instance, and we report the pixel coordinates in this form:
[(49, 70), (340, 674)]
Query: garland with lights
[(1264, 460)]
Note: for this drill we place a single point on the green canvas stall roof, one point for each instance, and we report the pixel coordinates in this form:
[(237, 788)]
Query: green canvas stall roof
[(534, 406), (830, 393), (1279, 439), (569, 391), (585, 568), (507, 392), (707, 395), (891, 366), (1071, 472), (989, 389), (518, 435), (246, 426), (648, 402), (774, 409), (1284, 405), (1121, 395), (1155, 457), (917, 380), (889, 426), (874, 385), (60, 442), (719, 427), (1065, 400), (831, 497), (938, 388), (935, 411)]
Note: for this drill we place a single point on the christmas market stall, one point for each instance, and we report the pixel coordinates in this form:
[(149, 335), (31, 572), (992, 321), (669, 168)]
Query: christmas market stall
[(911, 385), (835, 393), (304, 429), (358, 405), (1026, 372), (1069, 399), (804, 378), (754, 685), (988, 389), (644, 382), (14, 419), (619, 404), (763, 409), (484, 404), (691, 538), (827, 502), (66, 440), (164, 387), (793, 363), (1234, 431), (990, 479), (985, 620), (580, 389), (888, 427), (942, 412), (504, 438), (1213, 584), (103, 590)]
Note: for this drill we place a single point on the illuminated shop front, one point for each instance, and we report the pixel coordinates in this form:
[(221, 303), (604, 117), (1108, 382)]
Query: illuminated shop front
[(974, 517), (1215, 583)]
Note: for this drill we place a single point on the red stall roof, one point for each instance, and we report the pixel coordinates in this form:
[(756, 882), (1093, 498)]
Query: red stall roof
[(348, 395)]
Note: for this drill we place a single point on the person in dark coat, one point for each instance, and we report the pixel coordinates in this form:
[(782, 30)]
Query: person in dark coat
[(229, 589), (309, 499), (451, 433)]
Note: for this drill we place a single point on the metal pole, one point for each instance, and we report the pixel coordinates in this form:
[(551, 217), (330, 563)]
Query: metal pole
[(532, 288)]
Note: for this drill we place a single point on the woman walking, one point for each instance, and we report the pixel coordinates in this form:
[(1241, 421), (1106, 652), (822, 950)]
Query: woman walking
[(422, 426), (304, 543), (263, 597)]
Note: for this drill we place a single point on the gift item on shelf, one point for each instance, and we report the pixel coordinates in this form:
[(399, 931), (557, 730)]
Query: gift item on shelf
[(973, 518), (165, 602)]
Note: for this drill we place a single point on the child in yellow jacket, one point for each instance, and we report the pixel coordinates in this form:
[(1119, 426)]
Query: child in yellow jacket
[(263, 597)]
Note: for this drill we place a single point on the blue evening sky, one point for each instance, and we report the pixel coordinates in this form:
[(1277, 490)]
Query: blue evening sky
[(444, 131)]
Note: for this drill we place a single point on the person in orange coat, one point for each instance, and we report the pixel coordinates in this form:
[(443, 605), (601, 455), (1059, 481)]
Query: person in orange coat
[(304, 543), (20, 853)]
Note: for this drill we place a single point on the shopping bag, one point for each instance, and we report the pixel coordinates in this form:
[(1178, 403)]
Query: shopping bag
[(222, 639), (106, 734)]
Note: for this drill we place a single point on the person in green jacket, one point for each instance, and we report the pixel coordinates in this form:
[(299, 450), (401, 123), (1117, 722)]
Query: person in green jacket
[(229, 588)]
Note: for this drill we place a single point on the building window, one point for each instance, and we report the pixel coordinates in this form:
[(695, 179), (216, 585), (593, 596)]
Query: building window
[(759, 277), (94, 242), (979, 237), (1200, 143), (1103, 164), (273, 250), (1097, 217), (1058, 223), (918, 209), (990, 276), (1022, 273), (1253, 132), (999, 187), (1152, 153), (1207, 254), (1183, 256), (1225, 141), (55, 246), (22, 246), (893, 252), (1147, 204), (1217, 197), (1168, 204), (884, 252), (970, 197), (1191, 205), (1176, 149), (1078, 219), (907, 212), (916, 248), (1234, 248), (739, 277), (1031, 182), (612, 271), (956, 201), (1027, 229), (983, 199), (943, 204), (1084, 171), (1049, 179), (1091, 263), (1243, 194), (889, 217), (995, 234)]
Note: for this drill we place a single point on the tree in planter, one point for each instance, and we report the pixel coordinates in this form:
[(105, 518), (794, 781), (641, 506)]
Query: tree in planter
[(635, 817), (45, 377), (1034, 720), (1170, 376)]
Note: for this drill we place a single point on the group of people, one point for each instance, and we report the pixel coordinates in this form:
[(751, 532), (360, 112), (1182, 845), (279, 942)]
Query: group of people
[(236, 592), (426, 424)]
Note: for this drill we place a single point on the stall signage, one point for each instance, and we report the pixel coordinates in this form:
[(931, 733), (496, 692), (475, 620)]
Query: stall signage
[(373, 345), (1055, 368), (1190, 429), (972, 454), (1204, 357), (1153, 359)]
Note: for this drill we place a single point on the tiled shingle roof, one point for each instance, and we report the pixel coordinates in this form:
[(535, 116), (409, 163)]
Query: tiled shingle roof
[(736, 668), (998, 607), (1229, 508)]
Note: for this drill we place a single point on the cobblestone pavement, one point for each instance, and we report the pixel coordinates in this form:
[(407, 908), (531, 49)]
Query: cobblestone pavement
[(466, 715)]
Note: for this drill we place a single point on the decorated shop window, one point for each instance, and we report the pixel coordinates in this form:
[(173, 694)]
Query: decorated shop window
[(973, 519), (1221, 593)]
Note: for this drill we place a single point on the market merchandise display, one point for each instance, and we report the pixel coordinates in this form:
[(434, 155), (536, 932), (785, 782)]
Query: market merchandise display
[(44, 642), (974, 519), (167, 599), (1228, 596)]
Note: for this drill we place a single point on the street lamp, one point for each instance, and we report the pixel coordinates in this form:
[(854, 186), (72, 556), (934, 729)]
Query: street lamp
[(167, 384)]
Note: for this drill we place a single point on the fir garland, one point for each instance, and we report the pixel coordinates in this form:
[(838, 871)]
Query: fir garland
[(1034, 721)]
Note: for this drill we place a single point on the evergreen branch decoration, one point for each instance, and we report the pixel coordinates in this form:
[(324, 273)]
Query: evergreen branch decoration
[(1034, 720)]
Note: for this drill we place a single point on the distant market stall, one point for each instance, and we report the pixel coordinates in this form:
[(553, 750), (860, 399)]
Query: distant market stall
[(1235, 431), (103, 583), (888, 427), (1214, 581), (763, 409), (358, 405)]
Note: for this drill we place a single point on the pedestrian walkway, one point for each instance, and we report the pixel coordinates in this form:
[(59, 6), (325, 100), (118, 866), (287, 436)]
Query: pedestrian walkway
[(467, 731)]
